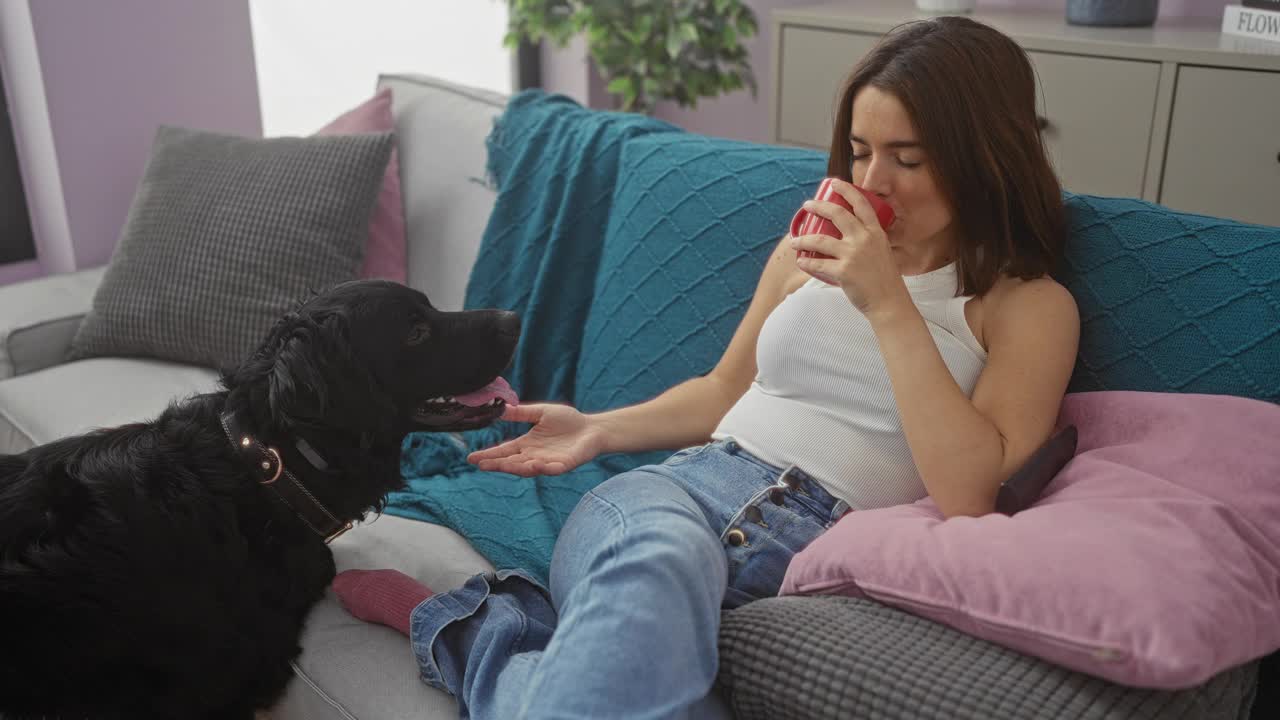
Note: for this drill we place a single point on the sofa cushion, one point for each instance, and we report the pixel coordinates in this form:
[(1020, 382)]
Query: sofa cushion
[(69, 399), (440, 132), (1173, 302), (1152, 560), (384, 251), (353, 669), (225, 235)]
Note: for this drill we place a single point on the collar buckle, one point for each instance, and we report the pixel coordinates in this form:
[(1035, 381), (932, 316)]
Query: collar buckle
[(293, 493)]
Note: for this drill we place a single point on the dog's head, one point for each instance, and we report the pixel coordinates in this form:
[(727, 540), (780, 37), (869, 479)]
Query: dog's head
[(374, 357)]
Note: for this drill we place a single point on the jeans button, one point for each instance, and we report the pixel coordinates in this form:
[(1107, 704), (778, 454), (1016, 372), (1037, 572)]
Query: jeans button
[(753, 514), (776, 496), (736, 537)]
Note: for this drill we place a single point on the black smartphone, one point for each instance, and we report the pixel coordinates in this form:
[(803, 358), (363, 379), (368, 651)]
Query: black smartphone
[(1024, 487)]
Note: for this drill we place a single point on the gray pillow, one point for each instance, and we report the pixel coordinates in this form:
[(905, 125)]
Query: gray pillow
[(225, 235)]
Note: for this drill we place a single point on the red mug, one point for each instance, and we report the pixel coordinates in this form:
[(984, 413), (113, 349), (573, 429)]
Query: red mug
[(807, 223)]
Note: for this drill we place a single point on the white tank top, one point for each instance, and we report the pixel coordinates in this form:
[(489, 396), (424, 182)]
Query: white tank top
[(822, 399)]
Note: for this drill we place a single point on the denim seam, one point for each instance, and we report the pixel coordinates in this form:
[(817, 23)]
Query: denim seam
[(451, 604), (772, 532), (821, 518), (746, 455), (612, 548), (524, 622), (736, 518), (694, 452)]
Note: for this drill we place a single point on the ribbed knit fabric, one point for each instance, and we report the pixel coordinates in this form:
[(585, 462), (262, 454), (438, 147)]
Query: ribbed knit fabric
[(387, 597), (822, 399)]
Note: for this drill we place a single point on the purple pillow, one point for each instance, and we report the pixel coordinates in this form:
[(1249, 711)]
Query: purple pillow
[(385, 253), (1152, 559)]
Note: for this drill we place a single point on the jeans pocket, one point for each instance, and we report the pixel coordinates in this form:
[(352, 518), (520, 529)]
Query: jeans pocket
[(686, 454)]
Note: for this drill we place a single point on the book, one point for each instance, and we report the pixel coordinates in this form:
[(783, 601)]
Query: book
[(1262, 4), (1251, 22)]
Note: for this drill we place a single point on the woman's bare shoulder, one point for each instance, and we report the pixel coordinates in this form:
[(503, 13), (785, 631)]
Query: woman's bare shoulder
[(1013, 301), (1012, 297)]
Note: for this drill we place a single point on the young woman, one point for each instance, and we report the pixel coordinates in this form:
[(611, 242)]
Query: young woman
[(935, 366)]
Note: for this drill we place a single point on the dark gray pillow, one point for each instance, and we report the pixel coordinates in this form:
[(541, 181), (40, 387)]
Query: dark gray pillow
[(225, 235)]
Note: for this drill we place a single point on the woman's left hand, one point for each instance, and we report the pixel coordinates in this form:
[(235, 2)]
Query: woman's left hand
[(861, 261)]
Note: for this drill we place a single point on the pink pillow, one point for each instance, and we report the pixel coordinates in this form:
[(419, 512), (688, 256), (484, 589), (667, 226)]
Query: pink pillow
[(1152, 559), (385, 253)]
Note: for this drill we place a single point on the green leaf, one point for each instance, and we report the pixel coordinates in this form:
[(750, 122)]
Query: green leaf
[(728, 36), (674, 45), (621, 86), (651, 50)]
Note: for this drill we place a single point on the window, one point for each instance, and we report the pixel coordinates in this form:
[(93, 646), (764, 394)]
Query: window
[(318, 59)]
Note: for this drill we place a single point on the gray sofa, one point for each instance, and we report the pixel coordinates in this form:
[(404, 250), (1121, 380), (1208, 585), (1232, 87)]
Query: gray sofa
[(781, 658)]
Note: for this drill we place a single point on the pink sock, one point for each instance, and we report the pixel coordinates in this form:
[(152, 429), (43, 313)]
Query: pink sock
[(387, 597)]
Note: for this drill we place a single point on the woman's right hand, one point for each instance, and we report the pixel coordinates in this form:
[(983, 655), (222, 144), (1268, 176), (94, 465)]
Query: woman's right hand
[(560, 440)]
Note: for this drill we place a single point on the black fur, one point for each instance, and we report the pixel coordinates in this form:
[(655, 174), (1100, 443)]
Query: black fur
[(144, 573)]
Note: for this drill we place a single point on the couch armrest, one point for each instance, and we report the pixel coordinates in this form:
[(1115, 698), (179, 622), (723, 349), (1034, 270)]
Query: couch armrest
[(39, 318)]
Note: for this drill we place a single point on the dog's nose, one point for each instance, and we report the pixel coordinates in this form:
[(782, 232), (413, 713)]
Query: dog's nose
[(508, 324)]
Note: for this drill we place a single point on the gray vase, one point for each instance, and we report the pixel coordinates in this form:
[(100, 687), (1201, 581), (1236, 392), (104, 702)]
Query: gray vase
[(1116, 13)]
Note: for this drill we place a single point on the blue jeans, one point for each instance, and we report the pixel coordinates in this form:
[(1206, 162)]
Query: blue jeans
[(639, 575)]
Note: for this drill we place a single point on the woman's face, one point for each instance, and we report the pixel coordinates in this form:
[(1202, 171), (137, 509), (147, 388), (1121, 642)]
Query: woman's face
[(889, 161)]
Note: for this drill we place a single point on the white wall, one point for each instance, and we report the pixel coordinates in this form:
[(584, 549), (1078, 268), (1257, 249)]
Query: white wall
[(318, 58)]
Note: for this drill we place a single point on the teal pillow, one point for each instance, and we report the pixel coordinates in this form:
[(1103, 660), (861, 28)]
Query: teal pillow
[(694, 219), (1173, 302)]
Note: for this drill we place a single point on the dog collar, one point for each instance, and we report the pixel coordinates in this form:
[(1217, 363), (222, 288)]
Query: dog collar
[(267, 461)]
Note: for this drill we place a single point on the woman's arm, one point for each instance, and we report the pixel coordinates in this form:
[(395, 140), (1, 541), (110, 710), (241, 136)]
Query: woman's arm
[(681, 416), (964, 448)]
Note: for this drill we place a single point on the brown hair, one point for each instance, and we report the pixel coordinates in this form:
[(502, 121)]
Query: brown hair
[(970, 92)]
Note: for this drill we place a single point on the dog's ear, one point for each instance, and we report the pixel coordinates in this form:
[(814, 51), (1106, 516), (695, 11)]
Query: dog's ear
[(297, 391), (317, 379), (306, 373), (311, 368), (284, 378)]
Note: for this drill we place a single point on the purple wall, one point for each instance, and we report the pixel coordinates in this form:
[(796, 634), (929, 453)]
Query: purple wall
[(740, 116), (18, 271), (114, 71)]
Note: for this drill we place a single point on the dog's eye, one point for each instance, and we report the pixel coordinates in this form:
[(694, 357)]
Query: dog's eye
[(418, 334)]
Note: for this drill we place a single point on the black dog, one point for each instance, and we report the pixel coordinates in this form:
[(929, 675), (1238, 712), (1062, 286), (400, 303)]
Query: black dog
[(165, 569)]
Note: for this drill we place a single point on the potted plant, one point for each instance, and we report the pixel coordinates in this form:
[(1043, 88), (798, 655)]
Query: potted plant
[(649, 50)]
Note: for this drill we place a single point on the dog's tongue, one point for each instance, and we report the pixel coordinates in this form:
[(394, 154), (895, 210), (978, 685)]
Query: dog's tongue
[(496, 389)]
